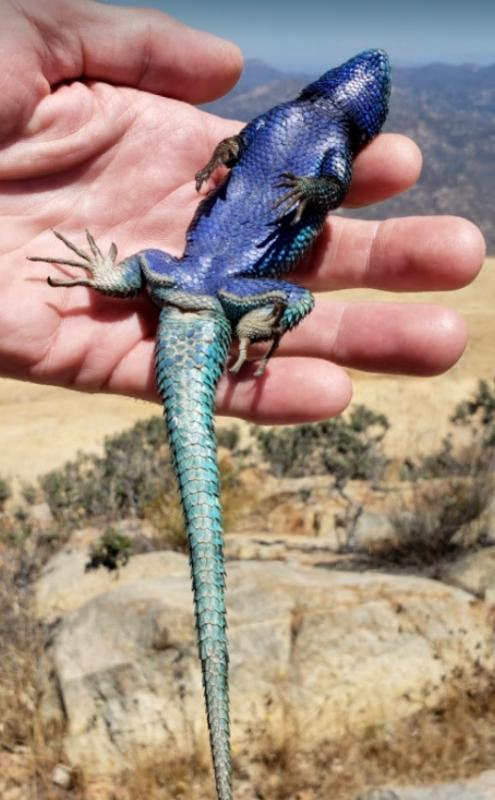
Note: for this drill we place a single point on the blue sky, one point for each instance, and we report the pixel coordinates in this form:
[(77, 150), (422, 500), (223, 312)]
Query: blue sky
[(310, 34)]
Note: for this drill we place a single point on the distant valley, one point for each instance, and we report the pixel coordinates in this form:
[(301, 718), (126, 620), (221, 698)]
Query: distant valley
[(448, 110)]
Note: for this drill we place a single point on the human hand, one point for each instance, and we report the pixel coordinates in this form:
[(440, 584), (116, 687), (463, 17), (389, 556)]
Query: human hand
[(121, 161)]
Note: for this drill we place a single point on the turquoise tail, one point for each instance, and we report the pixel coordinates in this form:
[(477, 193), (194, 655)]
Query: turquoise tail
[(191, 351)]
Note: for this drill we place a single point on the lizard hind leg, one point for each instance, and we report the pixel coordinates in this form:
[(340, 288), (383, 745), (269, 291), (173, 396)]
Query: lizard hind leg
[(262, 311), (260, 324)]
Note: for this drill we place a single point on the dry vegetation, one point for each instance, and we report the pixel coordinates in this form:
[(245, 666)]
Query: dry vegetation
[(454, 741), (28, 752)]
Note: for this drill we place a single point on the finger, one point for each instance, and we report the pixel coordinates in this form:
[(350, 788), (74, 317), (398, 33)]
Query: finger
[(400, 338), (304, 385), (407, 254), (150, 50), (291, 390), (301, 386), (386, 167)]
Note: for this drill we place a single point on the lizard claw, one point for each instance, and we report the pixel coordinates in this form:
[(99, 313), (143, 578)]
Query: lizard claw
[(201, 176), (295, 199), (97, 266)]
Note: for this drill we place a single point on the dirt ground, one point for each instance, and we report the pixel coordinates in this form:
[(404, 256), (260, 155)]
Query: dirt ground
[(41, 427)]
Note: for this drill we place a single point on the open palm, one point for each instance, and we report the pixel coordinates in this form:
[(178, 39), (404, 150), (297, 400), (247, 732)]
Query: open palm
[(121, 161), (130, 180)]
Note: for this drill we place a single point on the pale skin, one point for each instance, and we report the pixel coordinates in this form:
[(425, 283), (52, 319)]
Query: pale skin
[(97, 132)]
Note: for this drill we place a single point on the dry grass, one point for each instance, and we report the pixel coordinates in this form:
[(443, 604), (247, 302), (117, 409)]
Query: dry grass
[(27, 754), (166, 516), (181, 779), (445, 520), (19, 642), (452, 742)]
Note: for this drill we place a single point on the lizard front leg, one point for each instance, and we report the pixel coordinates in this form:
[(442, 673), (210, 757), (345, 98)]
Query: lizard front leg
[(103, 272), (227, 152), (322, 192)]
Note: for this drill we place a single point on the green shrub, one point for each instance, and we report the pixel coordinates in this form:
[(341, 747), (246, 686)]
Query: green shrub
[(29, 493), (346, 448), (134, 469), (440, 464), (165, 512), (133, 477), (111, 550), (228, 437), (479, 412)]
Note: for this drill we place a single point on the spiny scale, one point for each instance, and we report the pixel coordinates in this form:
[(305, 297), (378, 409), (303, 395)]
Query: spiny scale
[(191, 351)]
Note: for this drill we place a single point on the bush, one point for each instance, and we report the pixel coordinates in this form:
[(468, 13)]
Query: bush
[(134, 477), (112, 550), (477, 413), (346, 448), (435, 529), (229, 437), (165, 512), (443, 463), (133, 470)]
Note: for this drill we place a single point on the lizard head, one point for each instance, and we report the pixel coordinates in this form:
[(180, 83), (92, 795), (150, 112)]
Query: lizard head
[(360, 88)]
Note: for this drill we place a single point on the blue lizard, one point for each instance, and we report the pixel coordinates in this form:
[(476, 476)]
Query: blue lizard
[(289, 168)]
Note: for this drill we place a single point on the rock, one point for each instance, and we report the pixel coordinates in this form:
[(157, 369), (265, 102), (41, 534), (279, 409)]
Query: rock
[(480, 788), (373, 527), (312, 507), (16, 793), (295, 549), (62, 776), (65, 586), (474, 572), (312, 650), (488, 519)]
